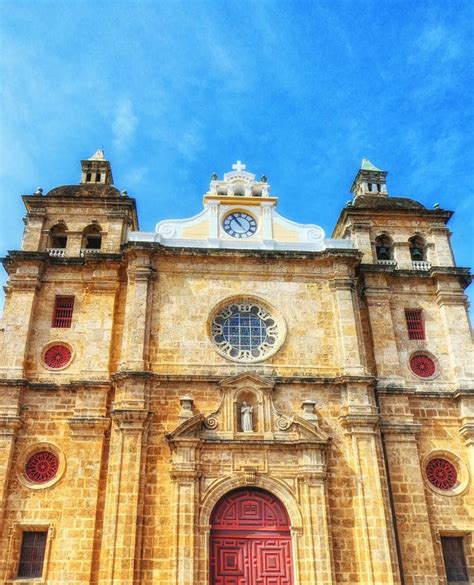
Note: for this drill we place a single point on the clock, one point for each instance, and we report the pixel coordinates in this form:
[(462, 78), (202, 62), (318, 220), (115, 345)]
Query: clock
[(239, 224)]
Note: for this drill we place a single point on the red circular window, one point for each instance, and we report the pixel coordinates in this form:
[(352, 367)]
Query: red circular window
[(41, 467), (442, 474), (57, 356), (422, 366)]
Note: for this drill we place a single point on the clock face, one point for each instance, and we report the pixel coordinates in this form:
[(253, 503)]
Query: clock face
[(239, 224)]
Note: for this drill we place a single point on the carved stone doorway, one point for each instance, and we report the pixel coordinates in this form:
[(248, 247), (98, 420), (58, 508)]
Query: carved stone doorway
[(250, 541)]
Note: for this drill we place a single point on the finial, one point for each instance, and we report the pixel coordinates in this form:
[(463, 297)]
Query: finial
[(349, 203), (124, 194), (436, 205), (39, 191), (263, 179), (214, 176)]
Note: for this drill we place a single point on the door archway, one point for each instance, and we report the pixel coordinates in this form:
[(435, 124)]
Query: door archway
[(250, 541)]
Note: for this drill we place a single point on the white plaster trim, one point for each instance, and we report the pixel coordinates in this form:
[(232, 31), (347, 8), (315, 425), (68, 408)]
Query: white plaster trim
[(310, 236)]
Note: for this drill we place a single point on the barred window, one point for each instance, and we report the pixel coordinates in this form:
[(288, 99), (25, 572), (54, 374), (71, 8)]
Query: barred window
[(415, 325), (33, 546), (455, 559), (63, 308)]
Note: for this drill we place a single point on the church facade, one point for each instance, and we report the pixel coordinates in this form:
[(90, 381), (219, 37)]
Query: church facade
[(235, 398)]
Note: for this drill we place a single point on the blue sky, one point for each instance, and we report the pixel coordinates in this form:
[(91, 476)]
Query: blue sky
[(299, 91)]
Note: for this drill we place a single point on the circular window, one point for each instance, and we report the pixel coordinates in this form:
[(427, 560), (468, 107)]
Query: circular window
[(244, 331), (445, 473), (442, 473), (57, 356), (422, 365), (42, 467)]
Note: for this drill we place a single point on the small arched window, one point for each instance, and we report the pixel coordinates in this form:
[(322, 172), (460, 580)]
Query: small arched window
[(383, 248), (92, 238), (417, 249), (58, 236)]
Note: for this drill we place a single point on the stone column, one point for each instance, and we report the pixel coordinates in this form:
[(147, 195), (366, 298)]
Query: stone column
[(315, 539), (20, 301), (118, 557), (452, 304), (373, 537), (383, 334), (408, 493), (137, 310), (348, 333)]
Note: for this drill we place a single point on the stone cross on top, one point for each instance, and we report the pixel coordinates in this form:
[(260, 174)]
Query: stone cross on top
[(239, 166)]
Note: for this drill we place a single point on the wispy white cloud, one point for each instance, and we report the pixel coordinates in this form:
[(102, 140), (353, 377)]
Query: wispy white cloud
[(124, 124)]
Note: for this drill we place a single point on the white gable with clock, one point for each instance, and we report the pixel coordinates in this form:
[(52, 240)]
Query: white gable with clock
[(239, 212)]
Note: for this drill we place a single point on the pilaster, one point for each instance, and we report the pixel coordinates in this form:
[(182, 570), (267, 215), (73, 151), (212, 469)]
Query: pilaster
[(316, 536), (372, 534), (348, 334), (466, 415), (452, 304), (408, 492), (377, 294), (10, 422), (136, 326), (119, 556), (443, 254), (25, 280), (34, 222), (185, 474)]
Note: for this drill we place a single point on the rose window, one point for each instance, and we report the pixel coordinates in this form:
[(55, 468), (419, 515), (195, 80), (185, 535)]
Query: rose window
[(42, 467), (422, 365), (246, 332), (442, 474), (57, 356)]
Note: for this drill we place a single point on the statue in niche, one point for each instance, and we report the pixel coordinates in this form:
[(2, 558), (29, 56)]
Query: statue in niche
[(246, 417)]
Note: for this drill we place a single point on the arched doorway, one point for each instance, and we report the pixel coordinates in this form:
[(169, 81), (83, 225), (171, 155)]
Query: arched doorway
[(250, 542)]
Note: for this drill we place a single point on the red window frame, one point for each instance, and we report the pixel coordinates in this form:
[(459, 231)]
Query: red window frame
[(63, 309), (32, 553), (415, 324)]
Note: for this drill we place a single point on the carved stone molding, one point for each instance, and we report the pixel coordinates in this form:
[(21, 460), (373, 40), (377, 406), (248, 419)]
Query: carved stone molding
[(9, 425), (88, 426), (131, 419)]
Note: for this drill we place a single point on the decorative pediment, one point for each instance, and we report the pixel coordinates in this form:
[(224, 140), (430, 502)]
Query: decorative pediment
[(247, 414), (239, 213)]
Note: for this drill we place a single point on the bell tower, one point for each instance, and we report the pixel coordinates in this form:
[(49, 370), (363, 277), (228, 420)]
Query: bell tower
[(369, 180), (97, 170)]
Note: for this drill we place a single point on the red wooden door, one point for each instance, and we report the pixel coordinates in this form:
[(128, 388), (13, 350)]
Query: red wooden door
[(250, 541)]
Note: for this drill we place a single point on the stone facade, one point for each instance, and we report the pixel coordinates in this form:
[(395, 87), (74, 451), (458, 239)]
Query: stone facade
[(143, 415)]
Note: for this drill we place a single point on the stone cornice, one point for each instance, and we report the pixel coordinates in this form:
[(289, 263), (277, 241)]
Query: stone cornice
[(88, 426), (9, 424), (399, 427), (351, 254)]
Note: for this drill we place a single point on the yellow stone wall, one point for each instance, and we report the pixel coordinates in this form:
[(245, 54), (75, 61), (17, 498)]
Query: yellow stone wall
[(128, 510)]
